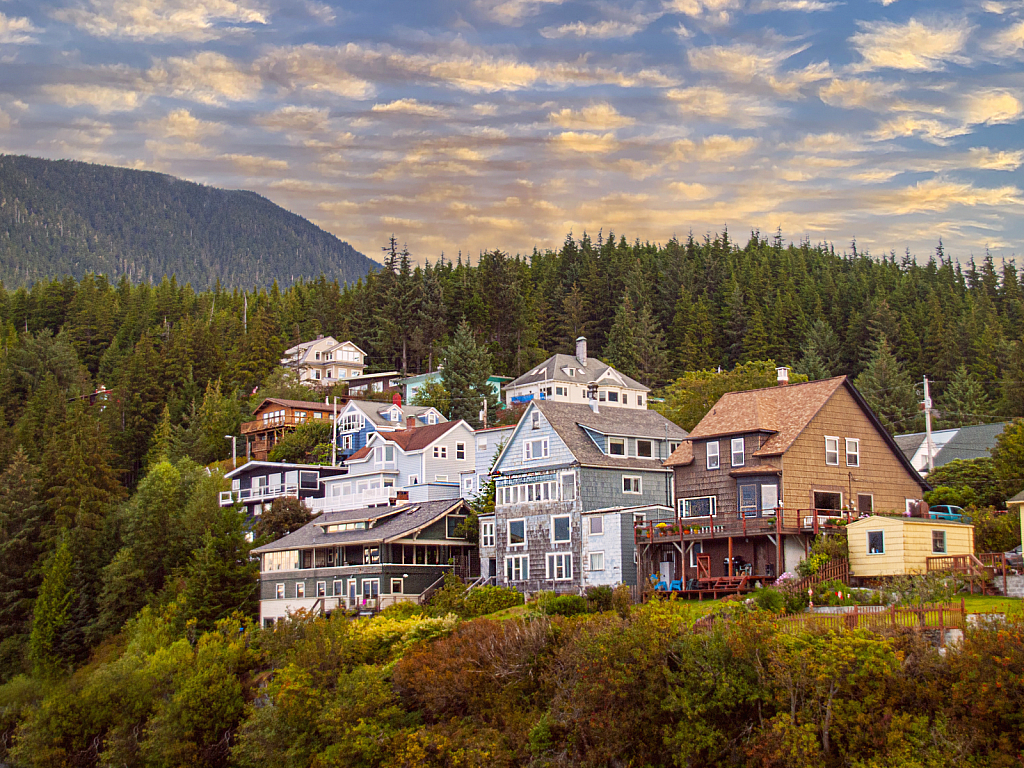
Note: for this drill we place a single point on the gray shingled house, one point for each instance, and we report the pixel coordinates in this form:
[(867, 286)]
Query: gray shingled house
[(364, 558), (569, 485)]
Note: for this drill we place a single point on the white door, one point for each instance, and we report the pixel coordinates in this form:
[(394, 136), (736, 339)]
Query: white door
[(666, 572)]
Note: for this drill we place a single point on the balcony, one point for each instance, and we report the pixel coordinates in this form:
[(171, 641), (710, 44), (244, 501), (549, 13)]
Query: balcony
[(785, 521), (374, 497), (261, 493), (263, 425)]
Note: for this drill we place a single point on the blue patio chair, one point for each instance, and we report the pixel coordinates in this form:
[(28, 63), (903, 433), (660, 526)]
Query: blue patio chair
[(675, 585), (661, 586)]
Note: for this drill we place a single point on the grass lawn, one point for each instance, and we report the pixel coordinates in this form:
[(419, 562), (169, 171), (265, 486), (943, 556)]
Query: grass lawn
[(1011, 606)]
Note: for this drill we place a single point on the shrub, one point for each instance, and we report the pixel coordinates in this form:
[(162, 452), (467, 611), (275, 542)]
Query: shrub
[(812, 564), (484, 600), (403, 610), (565, 605), (770, 600), (600, 598), (622, 601)]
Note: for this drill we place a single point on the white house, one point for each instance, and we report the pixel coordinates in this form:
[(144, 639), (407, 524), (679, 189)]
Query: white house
[(325, 360)]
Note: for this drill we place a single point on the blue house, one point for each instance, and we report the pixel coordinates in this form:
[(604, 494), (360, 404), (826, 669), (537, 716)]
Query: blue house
[(361, 418), (412, 384), (570, 482)]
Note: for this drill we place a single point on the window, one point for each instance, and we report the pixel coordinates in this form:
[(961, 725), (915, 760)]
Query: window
[(467, 484), (939, 542), (596, 525), (852, 452), (321, 589), (696, 549), (535, 449), (876, 542), (644, 449), (460, 451), (481, 444), (616, 446), (748, 500), (396, 586), (613, 397), (597, 561), (440, 478), (569, 486), (440, 452), (769, 499), (487, 534), (535, 420), (309, 481), (414, 479), (316, 355), (371, 555), (346, 442), (300, 589), (268, 623), (337, 589), (371, 588), (279, 592), (865, 503), (828, 501), (517, 568), (672, 447), (385, 454), (699, 506), (832, 451), (712, 447), (455, 527), (560, 529), (631, 484), (601, 396), (516, 532), (431, 418), (560, 391), (639, 399), (737, 452), (559, 566)]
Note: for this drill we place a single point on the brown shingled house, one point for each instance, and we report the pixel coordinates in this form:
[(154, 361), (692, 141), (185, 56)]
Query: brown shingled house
[(765, 470), (275, 417)]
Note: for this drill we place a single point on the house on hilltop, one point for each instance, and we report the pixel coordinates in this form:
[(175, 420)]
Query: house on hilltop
[(275, 417), (324, 360), (765, 470), (568, 379)]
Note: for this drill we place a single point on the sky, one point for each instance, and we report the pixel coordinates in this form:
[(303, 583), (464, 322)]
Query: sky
[(470, 125)]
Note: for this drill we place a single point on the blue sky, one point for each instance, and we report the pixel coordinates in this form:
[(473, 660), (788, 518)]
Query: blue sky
[(468, 126)]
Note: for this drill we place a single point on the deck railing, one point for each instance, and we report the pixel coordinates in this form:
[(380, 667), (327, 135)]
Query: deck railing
[(780, 520), (368, 498), (227, 498)]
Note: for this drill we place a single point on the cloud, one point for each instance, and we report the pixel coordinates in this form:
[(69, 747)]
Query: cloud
[(714, 148), (914, 46), (589, 143), (17, 30), (5, 121), (296, 119), (181, 124), (806, 6), (596, 117), (991, 106), (207, 77), (855, 93), (601, 30), (713, 12), (1008, 41), (717, 105), (161, 19), (256, 165), (409, 107), (690, 191), (745, 63), (513, 12), (103, 98), (936, 195)]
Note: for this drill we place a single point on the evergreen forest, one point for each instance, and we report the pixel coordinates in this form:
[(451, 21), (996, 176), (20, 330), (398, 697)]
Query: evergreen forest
[(71, 218), (128, 597)]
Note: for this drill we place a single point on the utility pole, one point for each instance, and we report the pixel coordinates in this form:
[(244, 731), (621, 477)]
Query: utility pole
[(234, 451), (928, 426)]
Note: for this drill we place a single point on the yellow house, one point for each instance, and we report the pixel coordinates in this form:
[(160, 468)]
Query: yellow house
[(1017, 504), (897, 546)]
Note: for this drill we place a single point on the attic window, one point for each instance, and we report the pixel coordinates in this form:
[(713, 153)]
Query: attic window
[(616, 447)]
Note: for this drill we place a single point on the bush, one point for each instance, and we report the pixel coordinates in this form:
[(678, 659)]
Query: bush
[(565, 605), (599, 599), (812, 564), (622, 601), (403, 610), (484, 600), (769, 600)]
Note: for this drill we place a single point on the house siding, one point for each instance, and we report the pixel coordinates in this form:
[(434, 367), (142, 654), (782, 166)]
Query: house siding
[(908, 544), (538, 543), (600, 488), (881, 473)]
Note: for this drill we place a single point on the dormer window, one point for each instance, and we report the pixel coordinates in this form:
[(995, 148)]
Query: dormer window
[(616, 446)]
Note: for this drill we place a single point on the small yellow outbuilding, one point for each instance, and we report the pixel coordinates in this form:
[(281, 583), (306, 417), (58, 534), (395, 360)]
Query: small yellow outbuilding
[(897, 546)]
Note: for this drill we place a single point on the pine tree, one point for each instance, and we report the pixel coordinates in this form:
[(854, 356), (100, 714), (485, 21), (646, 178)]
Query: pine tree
[(963, 402), (467, 366), (888, 390), (820, 352), (621, 350), (51, 616)]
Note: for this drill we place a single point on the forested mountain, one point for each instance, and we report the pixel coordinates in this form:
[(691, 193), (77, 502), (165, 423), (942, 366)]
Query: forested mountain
[(69, 218)]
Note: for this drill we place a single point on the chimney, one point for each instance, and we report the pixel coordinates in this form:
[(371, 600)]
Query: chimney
[(783, 375), (581, 350), (592, 393)]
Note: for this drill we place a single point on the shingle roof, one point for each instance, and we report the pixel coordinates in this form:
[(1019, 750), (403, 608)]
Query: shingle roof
[(362, 453), (372, 411), (391, 523), (568, 418), (552, 370), (968, 443), (418, 438), (302, 404), (783, 412)]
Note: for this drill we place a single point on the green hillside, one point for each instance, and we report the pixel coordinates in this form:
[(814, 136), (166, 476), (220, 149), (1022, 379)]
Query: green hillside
[(60, 217)]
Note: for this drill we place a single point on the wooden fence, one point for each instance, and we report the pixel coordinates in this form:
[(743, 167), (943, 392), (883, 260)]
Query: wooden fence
[(836, 569)]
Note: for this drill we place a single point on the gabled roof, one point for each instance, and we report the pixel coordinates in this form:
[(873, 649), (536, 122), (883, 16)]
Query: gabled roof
[(373, 411), (552, 369), (301, 404), (975, 442), (390, 523), (570, 419), (782, 413), (418, 438)]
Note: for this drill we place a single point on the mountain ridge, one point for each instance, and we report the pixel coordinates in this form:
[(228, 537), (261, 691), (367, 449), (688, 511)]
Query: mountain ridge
[(67, 217)]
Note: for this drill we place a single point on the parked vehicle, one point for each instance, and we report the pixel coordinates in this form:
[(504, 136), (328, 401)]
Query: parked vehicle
[(1015, 558), (946, 512)]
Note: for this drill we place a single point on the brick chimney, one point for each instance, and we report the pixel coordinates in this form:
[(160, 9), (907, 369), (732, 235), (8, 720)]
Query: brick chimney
[(581, 350), (782, 373)]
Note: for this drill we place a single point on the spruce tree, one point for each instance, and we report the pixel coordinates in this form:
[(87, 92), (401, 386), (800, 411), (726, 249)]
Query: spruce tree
[(963, 402), (51, 616), (467, 366), (622, 350), (889, 391)]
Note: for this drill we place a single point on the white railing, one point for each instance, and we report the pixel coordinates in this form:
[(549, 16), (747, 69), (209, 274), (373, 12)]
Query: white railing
[(368, 498), (227, 498)]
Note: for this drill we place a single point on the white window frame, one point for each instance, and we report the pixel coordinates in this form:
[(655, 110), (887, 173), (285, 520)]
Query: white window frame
[(414, 479), (599, 519), (741, 452), (632, 484), (855, 444), (598, 564), (508, 533), (346, 442), (460, 451), (440, 451), (481, 443), (867, 542), (520, 563), (321, 589), (696, 549), (715, 455), (561, 517), (467, 484), (279, 591), (529, 449), (401, 586), (684, 506), (487, 534), (834, 441), (440, 478), (554, 561), (561, 485), (300, 590), (650, 449), (614, 441), (338, 588)]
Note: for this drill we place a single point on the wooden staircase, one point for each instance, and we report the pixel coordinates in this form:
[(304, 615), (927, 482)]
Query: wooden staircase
[(836, 569), (969, 566)]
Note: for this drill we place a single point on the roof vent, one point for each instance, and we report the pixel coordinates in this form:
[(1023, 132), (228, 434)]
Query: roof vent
[(581, 350), (783, 375)]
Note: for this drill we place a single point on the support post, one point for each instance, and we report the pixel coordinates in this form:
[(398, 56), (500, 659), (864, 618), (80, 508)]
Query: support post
[(730, 557), (928, 426)]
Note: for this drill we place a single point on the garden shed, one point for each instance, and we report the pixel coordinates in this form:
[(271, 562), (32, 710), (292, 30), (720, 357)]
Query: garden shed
[(897, 546)]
